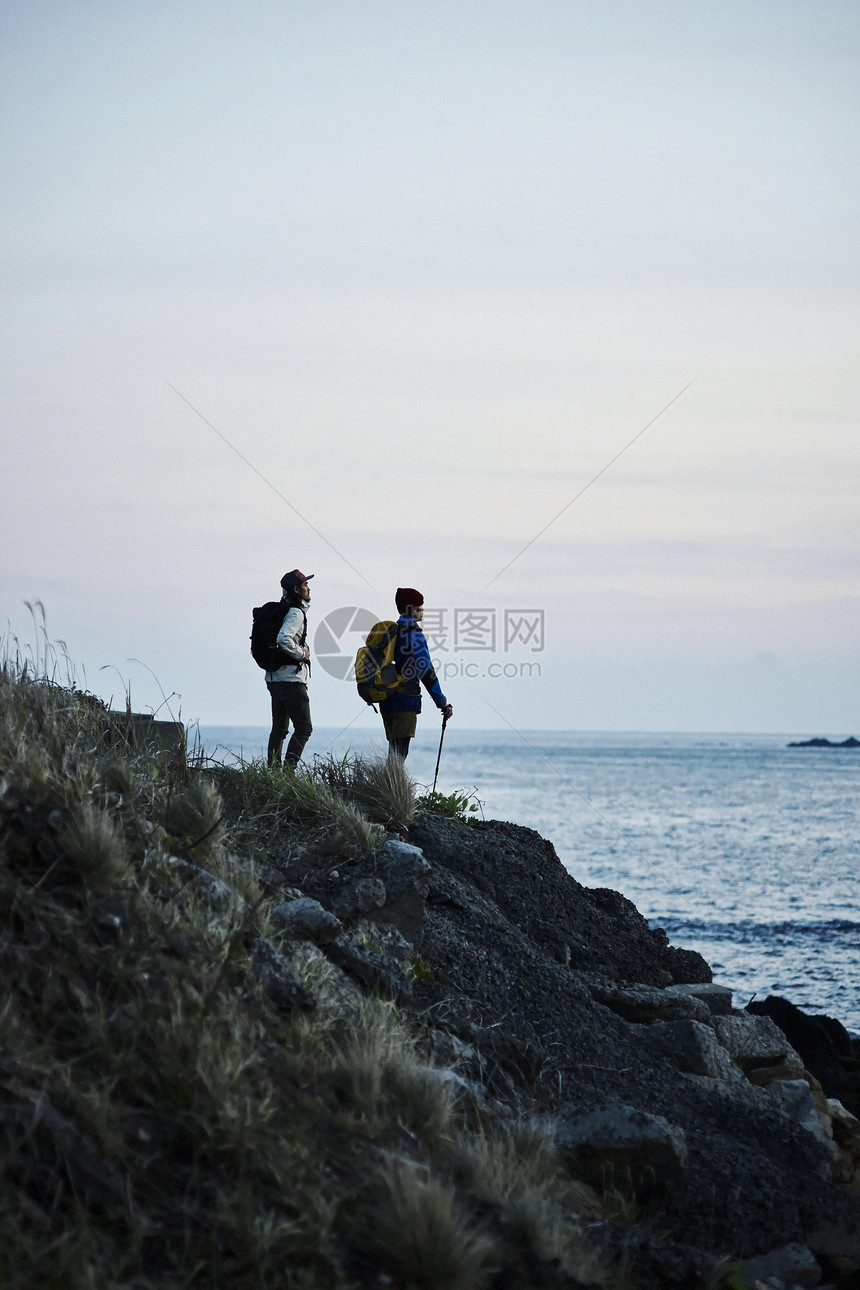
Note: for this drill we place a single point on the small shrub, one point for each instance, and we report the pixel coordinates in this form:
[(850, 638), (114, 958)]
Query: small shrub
[(455, 806), (418, 970), (376, 1048)]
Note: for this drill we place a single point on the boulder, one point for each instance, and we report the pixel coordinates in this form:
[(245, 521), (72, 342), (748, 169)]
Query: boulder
[(402, 863), (520, 874), (797, 1100), (361, 896), (693, 1047), (404, 871), (305, 919), (717, 997), (368, 968), (215, 894), (624, 1148), (754, 1041), (644, 1003), (142, 732), (792, 1265), (277, 975), (822, 1041)]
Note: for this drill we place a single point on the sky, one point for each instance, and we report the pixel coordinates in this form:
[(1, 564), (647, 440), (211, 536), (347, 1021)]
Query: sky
[(548, 310)]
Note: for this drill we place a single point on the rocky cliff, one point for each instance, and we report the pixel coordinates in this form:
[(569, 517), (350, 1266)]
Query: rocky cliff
[(259, 1030), (559, 999)]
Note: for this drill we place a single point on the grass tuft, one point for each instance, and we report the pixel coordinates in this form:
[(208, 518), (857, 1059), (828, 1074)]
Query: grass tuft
[(97, 848), (430, 1242), (195, 817), (380, 786), (275, 798)]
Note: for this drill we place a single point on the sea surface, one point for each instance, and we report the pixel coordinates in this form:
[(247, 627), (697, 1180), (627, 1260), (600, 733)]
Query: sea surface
[(739, 846)]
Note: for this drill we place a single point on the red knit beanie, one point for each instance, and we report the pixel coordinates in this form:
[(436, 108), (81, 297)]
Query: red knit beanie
[(406, 596)]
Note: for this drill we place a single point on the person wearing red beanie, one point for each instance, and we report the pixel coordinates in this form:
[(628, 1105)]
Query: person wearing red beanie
[(412, 660)]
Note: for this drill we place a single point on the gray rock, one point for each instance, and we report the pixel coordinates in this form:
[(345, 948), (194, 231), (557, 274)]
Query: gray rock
[(368, 968), (795, 1098), (401, 864), (388, 941), (449, 1050), (793, 1265), (643, 1003), (754, 1041), (717, 997), (217, 895), (450, 1080), (306, 919), (146, 734), (272, 877), (693, 1047), (623, 1147), (405, 872), (277, 975), (361, 896)]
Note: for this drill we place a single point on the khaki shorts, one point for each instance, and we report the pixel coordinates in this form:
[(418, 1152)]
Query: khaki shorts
[(400, 725)]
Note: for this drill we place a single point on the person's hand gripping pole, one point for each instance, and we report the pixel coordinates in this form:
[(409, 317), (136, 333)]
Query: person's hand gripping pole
[(447, 713)]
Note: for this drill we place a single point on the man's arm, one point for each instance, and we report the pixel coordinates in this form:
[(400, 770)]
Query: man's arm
[(430, 681), (289, 637), (427, 673)]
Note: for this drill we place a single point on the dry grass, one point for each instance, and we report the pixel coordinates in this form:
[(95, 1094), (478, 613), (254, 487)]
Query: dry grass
[(95, 844), (276, 799), (380, 786), (516, 1168), (195, 816), (430, 1242)]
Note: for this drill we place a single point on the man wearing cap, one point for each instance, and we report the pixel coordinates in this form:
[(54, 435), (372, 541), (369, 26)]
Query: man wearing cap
[(412, 660), (288, 685)]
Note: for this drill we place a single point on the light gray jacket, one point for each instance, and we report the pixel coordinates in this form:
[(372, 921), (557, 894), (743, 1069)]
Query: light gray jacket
[(289, 640)]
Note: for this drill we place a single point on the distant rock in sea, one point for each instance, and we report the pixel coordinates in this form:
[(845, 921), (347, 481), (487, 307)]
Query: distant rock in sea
[(850, 742)]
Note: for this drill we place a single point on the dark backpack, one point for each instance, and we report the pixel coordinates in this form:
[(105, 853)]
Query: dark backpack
[(268, 621)]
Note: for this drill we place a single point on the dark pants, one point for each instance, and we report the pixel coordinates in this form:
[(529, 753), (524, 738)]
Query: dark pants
[(289, 703)]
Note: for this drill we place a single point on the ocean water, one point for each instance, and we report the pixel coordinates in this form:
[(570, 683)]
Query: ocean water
[(740, 847)]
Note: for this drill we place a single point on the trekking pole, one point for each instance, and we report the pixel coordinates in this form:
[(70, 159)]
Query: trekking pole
[(439, 757)]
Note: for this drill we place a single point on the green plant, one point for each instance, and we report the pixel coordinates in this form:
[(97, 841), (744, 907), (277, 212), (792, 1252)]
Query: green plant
[(456, 805), (729, 1276), (418, 970)]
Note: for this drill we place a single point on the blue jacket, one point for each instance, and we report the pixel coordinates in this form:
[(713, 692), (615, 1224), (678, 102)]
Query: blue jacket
[(412, 660)]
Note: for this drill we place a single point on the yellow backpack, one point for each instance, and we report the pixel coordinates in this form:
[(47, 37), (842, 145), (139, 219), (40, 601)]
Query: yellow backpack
[(376, 675)]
